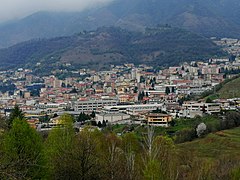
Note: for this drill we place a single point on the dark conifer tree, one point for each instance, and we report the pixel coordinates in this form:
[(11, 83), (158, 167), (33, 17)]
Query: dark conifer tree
[(16, 113)]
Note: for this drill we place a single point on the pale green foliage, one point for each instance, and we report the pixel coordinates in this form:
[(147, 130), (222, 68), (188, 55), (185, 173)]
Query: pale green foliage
[(131, 149), (159, 159), (70, 155), (111, 157), (151, 171), (66, 120), (166, 157), (58, 146), (151, 165)]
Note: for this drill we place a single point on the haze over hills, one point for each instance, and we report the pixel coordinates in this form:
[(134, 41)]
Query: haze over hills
[(209, 18), (161, 45)]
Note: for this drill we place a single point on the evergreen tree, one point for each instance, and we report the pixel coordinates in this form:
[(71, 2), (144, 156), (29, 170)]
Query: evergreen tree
[(154, 80), (93, 114), (81, 117), (152, 85), (135, 90), (104, 124), (151, 81), (15, 113), (209, 100), (147, 94), (140, 97), (93, 123), (23, 152), (167, 91), (142, 79), (99, 124)]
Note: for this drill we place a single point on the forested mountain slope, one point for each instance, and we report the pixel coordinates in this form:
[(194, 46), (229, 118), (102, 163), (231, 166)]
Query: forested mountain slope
[(162, 45)]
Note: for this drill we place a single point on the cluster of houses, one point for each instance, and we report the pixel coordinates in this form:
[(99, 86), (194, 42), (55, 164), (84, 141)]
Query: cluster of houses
[(123, 94), (232, 46)]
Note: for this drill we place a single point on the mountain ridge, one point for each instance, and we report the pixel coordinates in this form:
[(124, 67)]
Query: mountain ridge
[(162, 45), (208, 18)]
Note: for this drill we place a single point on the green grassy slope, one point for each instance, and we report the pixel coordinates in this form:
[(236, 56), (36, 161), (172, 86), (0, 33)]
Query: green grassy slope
[(231, 89), (216, 145)]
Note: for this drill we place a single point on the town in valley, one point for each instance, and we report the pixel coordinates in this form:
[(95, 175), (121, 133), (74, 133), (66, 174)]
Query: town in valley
[(124, 94)]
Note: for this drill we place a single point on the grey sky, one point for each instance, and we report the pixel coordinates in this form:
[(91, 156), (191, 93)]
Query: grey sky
[(12, 9)]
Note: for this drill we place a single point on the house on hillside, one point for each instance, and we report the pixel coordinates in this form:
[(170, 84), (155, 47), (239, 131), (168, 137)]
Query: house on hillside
[(158, 119)]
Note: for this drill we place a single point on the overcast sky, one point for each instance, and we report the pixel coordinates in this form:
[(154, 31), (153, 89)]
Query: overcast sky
[(12, 9)]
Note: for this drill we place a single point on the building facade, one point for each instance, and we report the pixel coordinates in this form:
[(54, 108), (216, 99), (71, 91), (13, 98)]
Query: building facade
[(158, 119)]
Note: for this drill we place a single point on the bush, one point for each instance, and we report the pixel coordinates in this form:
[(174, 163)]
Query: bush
[(184, 135)]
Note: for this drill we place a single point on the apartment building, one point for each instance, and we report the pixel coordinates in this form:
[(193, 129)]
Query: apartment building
[(193, 109), (133, 109), (93, 104)]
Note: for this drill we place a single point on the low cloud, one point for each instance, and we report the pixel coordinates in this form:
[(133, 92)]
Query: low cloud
[(13, 9)]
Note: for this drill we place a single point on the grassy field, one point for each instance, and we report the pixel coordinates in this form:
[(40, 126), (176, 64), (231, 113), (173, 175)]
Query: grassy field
[(231, 89), (215, 145)]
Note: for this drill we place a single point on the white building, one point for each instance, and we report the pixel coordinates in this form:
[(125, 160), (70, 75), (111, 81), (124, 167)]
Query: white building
[(93, 105), (192, 109), (133, 109), (51, 107), (112, 118)]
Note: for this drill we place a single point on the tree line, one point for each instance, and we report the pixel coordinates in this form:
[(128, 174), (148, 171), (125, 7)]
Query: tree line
[(93, 154)]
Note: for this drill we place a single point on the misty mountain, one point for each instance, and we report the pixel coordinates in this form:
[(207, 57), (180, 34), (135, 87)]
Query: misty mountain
[(162, 45), (209, 18)]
